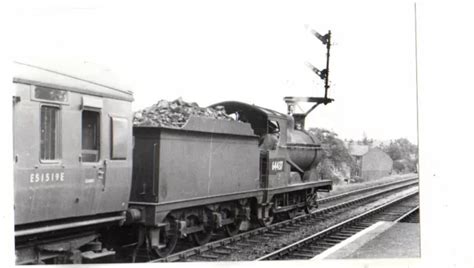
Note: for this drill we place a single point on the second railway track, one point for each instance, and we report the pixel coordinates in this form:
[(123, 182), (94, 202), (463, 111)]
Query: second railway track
[(396, 210)]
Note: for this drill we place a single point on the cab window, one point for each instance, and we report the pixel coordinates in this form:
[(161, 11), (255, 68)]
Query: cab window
[(90, 136), (270, 140), (49, 145), (273, 127)]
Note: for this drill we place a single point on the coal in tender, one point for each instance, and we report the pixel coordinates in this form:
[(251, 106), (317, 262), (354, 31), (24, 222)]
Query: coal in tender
[(175, 114)]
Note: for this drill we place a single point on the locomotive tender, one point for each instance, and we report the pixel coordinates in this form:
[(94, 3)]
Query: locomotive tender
[(89, 185)]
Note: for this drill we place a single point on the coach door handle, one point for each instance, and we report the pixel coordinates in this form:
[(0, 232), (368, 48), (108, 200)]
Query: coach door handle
[(101, 175)]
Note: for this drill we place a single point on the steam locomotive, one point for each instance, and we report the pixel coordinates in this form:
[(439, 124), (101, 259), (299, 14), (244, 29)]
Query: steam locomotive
[(89, 185)]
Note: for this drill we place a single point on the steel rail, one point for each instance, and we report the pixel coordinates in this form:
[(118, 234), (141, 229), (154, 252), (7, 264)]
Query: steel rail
[(408, 214), (362, 190)]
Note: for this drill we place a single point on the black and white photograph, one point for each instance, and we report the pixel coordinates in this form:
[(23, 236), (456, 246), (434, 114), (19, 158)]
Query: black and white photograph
[(155, 132)]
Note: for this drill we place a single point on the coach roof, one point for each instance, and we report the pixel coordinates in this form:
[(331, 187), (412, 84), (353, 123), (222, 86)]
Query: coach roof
[(83, 78)]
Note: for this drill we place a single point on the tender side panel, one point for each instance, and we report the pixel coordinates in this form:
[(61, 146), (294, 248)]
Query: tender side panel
[(174, 165), (196, 164)]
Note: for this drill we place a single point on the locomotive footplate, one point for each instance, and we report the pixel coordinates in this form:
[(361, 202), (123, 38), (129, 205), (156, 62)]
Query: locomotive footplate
[(321, 186)]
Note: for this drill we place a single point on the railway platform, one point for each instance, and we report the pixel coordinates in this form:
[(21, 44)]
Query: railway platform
[(380, 240)]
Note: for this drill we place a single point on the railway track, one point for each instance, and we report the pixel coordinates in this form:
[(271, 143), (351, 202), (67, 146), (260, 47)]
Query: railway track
[(351, 194), (397, 210), (222, 248)]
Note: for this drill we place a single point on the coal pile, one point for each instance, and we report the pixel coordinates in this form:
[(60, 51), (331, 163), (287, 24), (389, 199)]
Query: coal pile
[(175, 114)]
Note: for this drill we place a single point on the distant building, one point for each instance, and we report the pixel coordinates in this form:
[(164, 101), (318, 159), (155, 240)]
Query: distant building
[(371, 163)]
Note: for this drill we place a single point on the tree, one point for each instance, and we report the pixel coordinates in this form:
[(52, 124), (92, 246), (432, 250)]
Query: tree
[(398, 166), (366, 141), (334, 155), (403, 153)]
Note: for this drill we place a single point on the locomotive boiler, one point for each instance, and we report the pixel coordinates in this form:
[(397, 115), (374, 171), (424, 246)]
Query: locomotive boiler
[(89, 185)]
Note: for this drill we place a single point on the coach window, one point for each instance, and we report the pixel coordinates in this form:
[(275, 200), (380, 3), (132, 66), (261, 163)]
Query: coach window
[(49, 146), (120, 135), (90, 136)]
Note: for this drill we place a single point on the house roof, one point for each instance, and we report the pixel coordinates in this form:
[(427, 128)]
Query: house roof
[(358, 150)]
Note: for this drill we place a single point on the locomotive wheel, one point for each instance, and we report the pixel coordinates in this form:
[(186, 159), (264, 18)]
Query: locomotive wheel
[(310, 208), (267, 221), (311, 203), (233, 228), (291, 214), (202, 237), (168, 238)]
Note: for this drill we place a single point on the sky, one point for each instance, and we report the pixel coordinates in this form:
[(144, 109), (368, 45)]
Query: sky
[(254, 52)]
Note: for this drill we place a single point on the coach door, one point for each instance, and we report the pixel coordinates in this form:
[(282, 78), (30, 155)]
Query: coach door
[(93, 166)]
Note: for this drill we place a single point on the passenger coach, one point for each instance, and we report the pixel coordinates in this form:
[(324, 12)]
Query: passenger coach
[(72, 159)]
